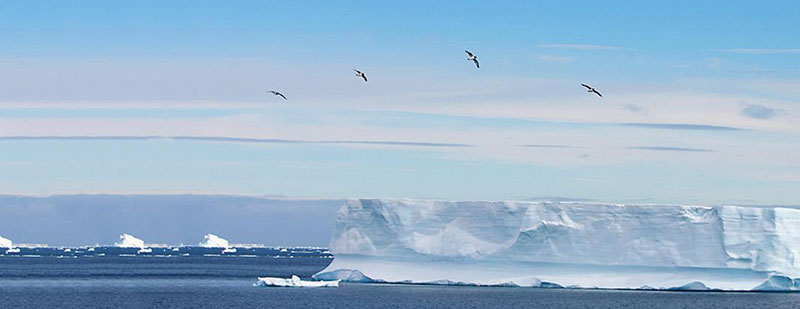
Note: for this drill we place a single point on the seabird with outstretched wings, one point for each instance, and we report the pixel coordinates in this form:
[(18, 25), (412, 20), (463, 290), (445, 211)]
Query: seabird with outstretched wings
[(361, 74), (473, 58), (591, 89), (278, 94)]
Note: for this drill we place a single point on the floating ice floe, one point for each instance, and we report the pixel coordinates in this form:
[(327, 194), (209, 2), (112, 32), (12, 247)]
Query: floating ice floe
[(295, 282), (12, 250), (229, 251)]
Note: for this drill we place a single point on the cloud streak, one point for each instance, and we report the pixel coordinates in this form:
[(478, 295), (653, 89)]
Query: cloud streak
[(633, 108), (552, 58), (548, 146), (581, 46), (669, 148), (680, 126), (229, 139), (761, 51), (758, 111)]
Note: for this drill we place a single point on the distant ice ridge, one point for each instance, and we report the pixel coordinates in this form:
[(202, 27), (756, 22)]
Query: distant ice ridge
[(568, 243), (129, 241), (213, 241)]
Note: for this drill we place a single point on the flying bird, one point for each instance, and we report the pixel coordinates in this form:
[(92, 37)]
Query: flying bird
[(278, 94), (473, 58), (361, 74), (591, 89)]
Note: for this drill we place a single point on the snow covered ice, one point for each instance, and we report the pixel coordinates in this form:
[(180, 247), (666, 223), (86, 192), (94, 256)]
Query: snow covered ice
[(567, 243)]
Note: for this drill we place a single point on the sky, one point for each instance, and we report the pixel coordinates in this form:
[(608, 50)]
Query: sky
[(701, 99)]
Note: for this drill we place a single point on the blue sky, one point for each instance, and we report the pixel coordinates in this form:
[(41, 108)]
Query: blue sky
[(701, 99)]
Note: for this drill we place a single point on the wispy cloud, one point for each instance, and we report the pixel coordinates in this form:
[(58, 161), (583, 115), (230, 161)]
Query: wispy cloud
[(633, 108), (669, 148), (680, 126), (761, 51), (231, 139), (581, 46), (758, 111), (714, 63), (552, 58), (548, 146)]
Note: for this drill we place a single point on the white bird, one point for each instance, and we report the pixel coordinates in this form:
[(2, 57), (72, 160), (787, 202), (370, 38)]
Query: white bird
[(473, 58), (278, 94), (591, 89), (361, 74)]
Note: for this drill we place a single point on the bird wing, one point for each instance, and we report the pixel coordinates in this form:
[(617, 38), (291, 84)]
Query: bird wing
[(280, 94), (597, 92), (587, 86), (357, 71), (477, 65), (469, 53), (364, 76)]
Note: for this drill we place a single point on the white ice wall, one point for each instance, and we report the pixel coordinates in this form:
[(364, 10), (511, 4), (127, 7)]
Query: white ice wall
[(762, 239)]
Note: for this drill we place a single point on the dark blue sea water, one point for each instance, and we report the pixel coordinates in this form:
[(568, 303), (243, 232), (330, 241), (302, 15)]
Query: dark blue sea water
[(227, 281)]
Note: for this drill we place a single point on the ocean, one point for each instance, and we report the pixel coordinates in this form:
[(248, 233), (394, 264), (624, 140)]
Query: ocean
[(226, 281)]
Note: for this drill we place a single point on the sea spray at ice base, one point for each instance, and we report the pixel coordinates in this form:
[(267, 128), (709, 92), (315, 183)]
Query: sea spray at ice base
[(570, 244)]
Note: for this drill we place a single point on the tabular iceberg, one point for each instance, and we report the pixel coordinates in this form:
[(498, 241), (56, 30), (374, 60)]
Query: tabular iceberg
[(567, 244)]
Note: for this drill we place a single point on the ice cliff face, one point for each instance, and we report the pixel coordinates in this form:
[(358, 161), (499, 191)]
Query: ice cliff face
[(720, 237)]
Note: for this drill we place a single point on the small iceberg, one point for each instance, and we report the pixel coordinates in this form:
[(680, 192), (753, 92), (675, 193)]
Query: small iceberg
[(229, 251), (692, 286), (129, 241), (144, 251), (349, 275), (295, 282), (779, 283), (6, 243), (213, 241)]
